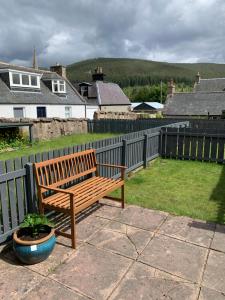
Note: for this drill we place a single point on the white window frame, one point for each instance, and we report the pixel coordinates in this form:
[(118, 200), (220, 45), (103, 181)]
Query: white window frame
[(59, 83), (20, 73), (70, 111), (19, 107)]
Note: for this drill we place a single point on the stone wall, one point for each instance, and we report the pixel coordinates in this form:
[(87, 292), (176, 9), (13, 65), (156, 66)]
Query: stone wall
[(98, 115), (45, 128)]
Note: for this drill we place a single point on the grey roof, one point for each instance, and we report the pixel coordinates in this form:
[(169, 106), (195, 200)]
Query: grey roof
[(92, 91), (50, 76), (195, 104), (210, 85), (4, 65), (44, 96), (111, 94)]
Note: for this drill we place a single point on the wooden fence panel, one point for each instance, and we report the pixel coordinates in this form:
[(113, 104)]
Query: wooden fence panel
[(196, 144)]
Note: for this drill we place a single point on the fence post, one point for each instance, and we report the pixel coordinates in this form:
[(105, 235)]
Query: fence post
[(124, 151), (145, 147), (31, 205)]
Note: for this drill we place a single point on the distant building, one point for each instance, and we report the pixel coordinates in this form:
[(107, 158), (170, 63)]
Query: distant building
[(206, 101), (147, 107), (34, 93), (103, 96)]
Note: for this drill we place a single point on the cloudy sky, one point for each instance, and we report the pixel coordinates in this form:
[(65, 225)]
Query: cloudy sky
[(72, 30)]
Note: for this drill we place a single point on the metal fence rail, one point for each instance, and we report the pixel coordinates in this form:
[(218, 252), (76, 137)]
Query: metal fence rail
[(17, 186)]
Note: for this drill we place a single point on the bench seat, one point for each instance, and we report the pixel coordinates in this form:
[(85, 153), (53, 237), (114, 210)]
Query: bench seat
[(85, 193)]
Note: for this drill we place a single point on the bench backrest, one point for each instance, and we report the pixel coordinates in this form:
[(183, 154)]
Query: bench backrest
[(61, 170)]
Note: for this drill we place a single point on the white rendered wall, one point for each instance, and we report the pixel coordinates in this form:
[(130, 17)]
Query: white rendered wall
[(30, 111), (115, 108), (90, 111)]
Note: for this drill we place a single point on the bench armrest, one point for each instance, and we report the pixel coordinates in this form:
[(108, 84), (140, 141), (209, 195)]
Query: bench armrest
[(122, 168), (112, 166), (56, 190)]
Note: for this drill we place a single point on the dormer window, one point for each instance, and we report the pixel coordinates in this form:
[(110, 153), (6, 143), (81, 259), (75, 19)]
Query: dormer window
[(58, 86), (19, 79)]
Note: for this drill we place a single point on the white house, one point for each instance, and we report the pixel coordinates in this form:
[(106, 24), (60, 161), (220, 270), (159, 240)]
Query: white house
[(34, 93)]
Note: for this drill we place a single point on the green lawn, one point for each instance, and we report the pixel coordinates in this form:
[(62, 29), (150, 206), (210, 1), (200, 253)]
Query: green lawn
[(189, 188), (61, 142)]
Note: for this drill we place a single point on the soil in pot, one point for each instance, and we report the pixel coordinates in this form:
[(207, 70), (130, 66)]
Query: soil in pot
[(25, 234)]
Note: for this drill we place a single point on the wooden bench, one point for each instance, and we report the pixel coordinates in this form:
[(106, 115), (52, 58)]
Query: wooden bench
[(52, 174)]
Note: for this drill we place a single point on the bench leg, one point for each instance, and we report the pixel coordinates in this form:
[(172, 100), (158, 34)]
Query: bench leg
[(73, 229), (122, 196)]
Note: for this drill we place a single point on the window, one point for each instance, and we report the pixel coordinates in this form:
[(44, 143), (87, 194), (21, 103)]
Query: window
[(41, 112), (16, 78), (58, 86), (24, 80), (18, 112), (33, 80), (68, 112)]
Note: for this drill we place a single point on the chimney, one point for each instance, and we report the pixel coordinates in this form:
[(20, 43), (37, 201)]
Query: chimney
[(171, 88), (35, 65), (197, 78), (59, 69), (98, 74)]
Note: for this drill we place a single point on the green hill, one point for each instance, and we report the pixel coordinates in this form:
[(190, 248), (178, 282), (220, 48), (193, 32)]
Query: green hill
[(131, 72)]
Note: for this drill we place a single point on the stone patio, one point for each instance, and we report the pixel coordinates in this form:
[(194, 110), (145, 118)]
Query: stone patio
[(134, 253)]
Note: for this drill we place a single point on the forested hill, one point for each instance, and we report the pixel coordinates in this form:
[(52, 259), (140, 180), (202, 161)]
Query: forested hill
[(132, 72)]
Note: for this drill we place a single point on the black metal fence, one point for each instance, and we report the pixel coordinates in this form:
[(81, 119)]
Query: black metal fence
[(193, 144), (17, 186)]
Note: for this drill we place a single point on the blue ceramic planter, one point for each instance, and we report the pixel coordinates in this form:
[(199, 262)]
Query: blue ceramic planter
[(34, 252)]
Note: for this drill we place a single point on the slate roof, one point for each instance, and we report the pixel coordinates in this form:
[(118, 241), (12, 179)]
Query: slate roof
[(4, 65), (210, 85), (104, 93), (44, 96), (111, 94), (195, 104)]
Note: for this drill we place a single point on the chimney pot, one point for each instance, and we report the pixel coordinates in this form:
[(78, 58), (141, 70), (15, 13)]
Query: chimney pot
[(171, 88)]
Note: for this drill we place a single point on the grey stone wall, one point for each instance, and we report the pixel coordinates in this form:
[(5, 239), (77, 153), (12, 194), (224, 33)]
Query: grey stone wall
[(98, 115), (48, 128)]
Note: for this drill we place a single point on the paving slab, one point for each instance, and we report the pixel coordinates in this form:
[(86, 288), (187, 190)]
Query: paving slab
[(108, 209), (187, 229), (16, 281), (218, 242), (141, 217), (89, 226), (138, 237), (92, 272), (208, 294), (57, 257), (129, 244), (144, 282), (177, 257), (50, 289), (214, 275)]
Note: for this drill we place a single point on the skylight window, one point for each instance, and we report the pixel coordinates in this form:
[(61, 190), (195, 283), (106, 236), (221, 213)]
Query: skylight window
[(18, 79), (58, 86)]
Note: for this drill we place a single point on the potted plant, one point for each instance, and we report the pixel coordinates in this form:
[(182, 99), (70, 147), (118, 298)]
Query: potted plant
[(34, 241)]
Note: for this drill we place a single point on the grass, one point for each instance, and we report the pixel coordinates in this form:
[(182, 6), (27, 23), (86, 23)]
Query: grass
[(186, 188), (61, 142)]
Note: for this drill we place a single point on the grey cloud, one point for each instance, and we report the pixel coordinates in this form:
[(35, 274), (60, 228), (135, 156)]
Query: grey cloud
[(68, 31)]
